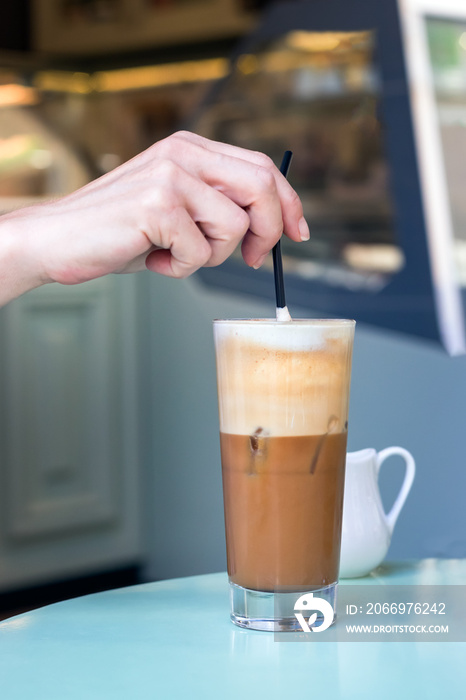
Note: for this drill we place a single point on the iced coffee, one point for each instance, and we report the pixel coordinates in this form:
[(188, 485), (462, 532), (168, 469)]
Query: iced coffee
[(283, 406)]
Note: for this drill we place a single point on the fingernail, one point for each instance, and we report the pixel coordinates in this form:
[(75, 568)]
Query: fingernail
[(259, 262), (303, 229)]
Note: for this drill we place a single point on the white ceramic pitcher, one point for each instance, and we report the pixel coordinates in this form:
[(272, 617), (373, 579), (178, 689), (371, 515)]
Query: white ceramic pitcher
[(367, 529)]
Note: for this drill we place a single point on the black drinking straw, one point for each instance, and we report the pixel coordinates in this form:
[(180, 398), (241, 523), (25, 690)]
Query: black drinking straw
[(277, 252)]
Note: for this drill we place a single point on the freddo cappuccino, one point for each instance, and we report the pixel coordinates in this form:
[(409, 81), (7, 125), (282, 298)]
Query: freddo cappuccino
[(283, 407)]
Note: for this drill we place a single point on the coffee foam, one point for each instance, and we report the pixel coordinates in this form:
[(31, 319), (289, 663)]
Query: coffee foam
[(282, 314), (289, 378)]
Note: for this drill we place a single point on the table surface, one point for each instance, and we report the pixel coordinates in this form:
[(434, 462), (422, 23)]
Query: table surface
[(173, 639)]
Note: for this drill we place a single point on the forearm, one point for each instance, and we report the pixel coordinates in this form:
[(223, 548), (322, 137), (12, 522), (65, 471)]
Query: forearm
[(19, 272)]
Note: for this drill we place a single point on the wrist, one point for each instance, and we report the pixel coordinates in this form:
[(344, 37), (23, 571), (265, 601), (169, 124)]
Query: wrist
[(19, 271)]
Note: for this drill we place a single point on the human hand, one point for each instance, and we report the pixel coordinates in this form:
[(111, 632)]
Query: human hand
[(184, 203)]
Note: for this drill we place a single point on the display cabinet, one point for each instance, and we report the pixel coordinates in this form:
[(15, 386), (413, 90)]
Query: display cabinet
[(70, 383), (356, 90)]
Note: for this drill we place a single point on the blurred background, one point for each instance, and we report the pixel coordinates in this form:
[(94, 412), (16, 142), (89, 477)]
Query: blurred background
[(110, 468)]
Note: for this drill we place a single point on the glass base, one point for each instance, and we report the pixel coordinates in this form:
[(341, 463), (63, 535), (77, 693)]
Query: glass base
[(274, 612)]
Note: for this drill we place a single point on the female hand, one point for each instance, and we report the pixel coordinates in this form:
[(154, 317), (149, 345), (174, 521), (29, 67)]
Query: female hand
[(184, 203)]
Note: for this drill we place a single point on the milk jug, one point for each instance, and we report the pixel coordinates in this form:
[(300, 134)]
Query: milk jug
[(367, 529)]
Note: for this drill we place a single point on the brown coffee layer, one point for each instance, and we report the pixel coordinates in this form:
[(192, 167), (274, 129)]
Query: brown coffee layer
[(283, 509)]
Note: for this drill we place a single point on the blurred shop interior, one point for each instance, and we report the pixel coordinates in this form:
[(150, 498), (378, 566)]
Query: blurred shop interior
[(110, 470)]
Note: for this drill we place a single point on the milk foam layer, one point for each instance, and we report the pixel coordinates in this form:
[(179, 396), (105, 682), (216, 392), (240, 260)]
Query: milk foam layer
[(289, 378)]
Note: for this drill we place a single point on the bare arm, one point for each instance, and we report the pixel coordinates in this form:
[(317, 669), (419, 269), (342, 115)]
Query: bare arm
[(182, 204)]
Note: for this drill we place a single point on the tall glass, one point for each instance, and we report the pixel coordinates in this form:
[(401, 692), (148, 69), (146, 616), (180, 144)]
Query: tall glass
[(283, 390)]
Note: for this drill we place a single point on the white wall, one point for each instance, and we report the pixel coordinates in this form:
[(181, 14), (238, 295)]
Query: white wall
[(404, 392)]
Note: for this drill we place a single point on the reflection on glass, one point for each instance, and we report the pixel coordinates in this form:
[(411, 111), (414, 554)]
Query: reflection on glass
[(151, 101), (447, 49), (35, 163), (317, 94), (58, 128)]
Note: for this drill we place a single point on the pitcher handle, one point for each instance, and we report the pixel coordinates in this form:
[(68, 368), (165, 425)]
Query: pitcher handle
[(392, 516)]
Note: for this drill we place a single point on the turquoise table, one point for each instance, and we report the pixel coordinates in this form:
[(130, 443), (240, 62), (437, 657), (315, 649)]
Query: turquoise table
[(173, 639)]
